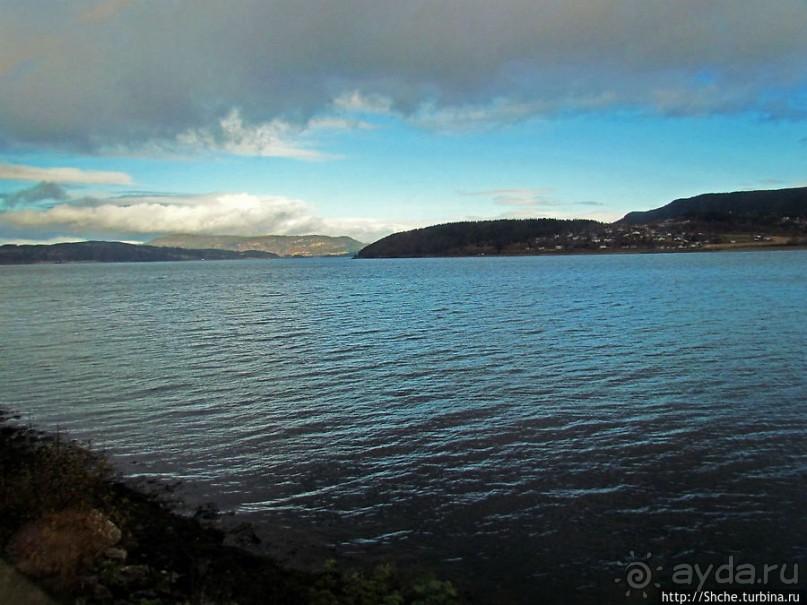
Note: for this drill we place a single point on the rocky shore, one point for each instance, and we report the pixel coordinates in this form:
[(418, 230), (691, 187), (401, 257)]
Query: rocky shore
[(83, 535)]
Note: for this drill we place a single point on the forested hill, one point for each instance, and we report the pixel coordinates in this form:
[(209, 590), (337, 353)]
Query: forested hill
[(706, 222), (473, 238), (758, 207), (112, 252)]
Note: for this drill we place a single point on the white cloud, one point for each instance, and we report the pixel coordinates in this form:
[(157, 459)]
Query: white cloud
[(55, 239), (530, 202), (359, 102), (526, 197), (18, 172), (276, 138), (140, 218), (337, 123), (223, 214), (469, 117), (363, 229)]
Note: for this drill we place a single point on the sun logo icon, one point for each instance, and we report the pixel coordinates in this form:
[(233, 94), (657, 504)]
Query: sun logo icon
[(638, 574)]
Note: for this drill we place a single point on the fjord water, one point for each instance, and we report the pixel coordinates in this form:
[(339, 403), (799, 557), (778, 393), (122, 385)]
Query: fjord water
[(516, 424)]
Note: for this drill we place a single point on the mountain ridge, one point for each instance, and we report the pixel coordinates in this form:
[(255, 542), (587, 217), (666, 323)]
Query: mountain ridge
[(753, 203), (281, 245), (471, 238), (711, 221), (114, 252), (760, 218)]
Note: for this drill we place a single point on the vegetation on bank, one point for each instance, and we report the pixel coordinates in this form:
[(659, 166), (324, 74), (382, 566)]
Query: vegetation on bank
[(472, 238), (753, 219), (749, 209), (87, 537), (714, 221)]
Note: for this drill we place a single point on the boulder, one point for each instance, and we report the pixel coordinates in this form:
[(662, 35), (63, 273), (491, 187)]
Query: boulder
[(63, 545)]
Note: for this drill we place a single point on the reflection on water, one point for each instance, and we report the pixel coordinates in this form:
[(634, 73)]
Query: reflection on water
[(517, 424)]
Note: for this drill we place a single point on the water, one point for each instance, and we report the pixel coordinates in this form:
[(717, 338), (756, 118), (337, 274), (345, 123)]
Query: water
[(518, 425)]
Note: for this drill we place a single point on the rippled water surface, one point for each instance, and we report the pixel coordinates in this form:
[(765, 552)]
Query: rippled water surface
[(517, 424)]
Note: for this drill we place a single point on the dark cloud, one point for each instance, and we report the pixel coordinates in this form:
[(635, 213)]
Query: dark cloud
[(33, 195), (124, 72)]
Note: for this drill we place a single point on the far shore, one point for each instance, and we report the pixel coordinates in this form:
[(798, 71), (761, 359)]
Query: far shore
[(727, 247), (735, 247)]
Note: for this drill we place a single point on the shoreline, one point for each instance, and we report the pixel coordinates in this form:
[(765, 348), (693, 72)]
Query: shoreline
[(77, 531), (729, 247), (713, 248)]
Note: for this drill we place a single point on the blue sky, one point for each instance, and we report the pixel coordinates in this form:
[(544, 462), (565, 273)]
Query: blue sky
[(130, 119)]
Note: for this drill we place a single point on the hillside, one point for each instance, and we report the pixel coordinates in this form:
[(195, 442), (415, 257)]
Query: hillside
[(282, 245), (713, 221), (113, 252), (738, 209), (474, 238)]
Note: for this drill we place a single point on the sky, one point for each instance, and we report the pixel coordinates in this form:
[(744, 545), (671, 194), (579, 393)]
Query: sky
[(130, 119)]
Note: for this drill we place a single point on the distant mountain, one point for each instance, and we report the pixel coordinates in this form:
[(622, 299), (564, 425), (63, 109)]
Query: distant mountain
[(113, 252), (474, 238), (282, 245), (736, 209)]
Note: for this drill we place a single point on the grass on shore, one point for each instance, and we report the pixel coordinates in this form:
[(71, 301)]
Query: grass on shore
[(88, 538)]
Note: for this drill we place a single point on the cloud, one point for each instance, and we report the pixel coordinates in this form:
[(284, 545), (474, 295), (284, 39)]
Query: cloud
[(356, 101), (32, 195), (53, 239), (18, 172), (559, 213), (104, 10), (471, 117), (99, 75), (529, 202), (142, 217), (276, 138), (524, 197)]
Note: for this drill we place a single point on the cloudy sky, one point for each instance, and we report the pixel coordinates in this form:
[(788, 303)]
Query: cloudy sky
[(127, 119)]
